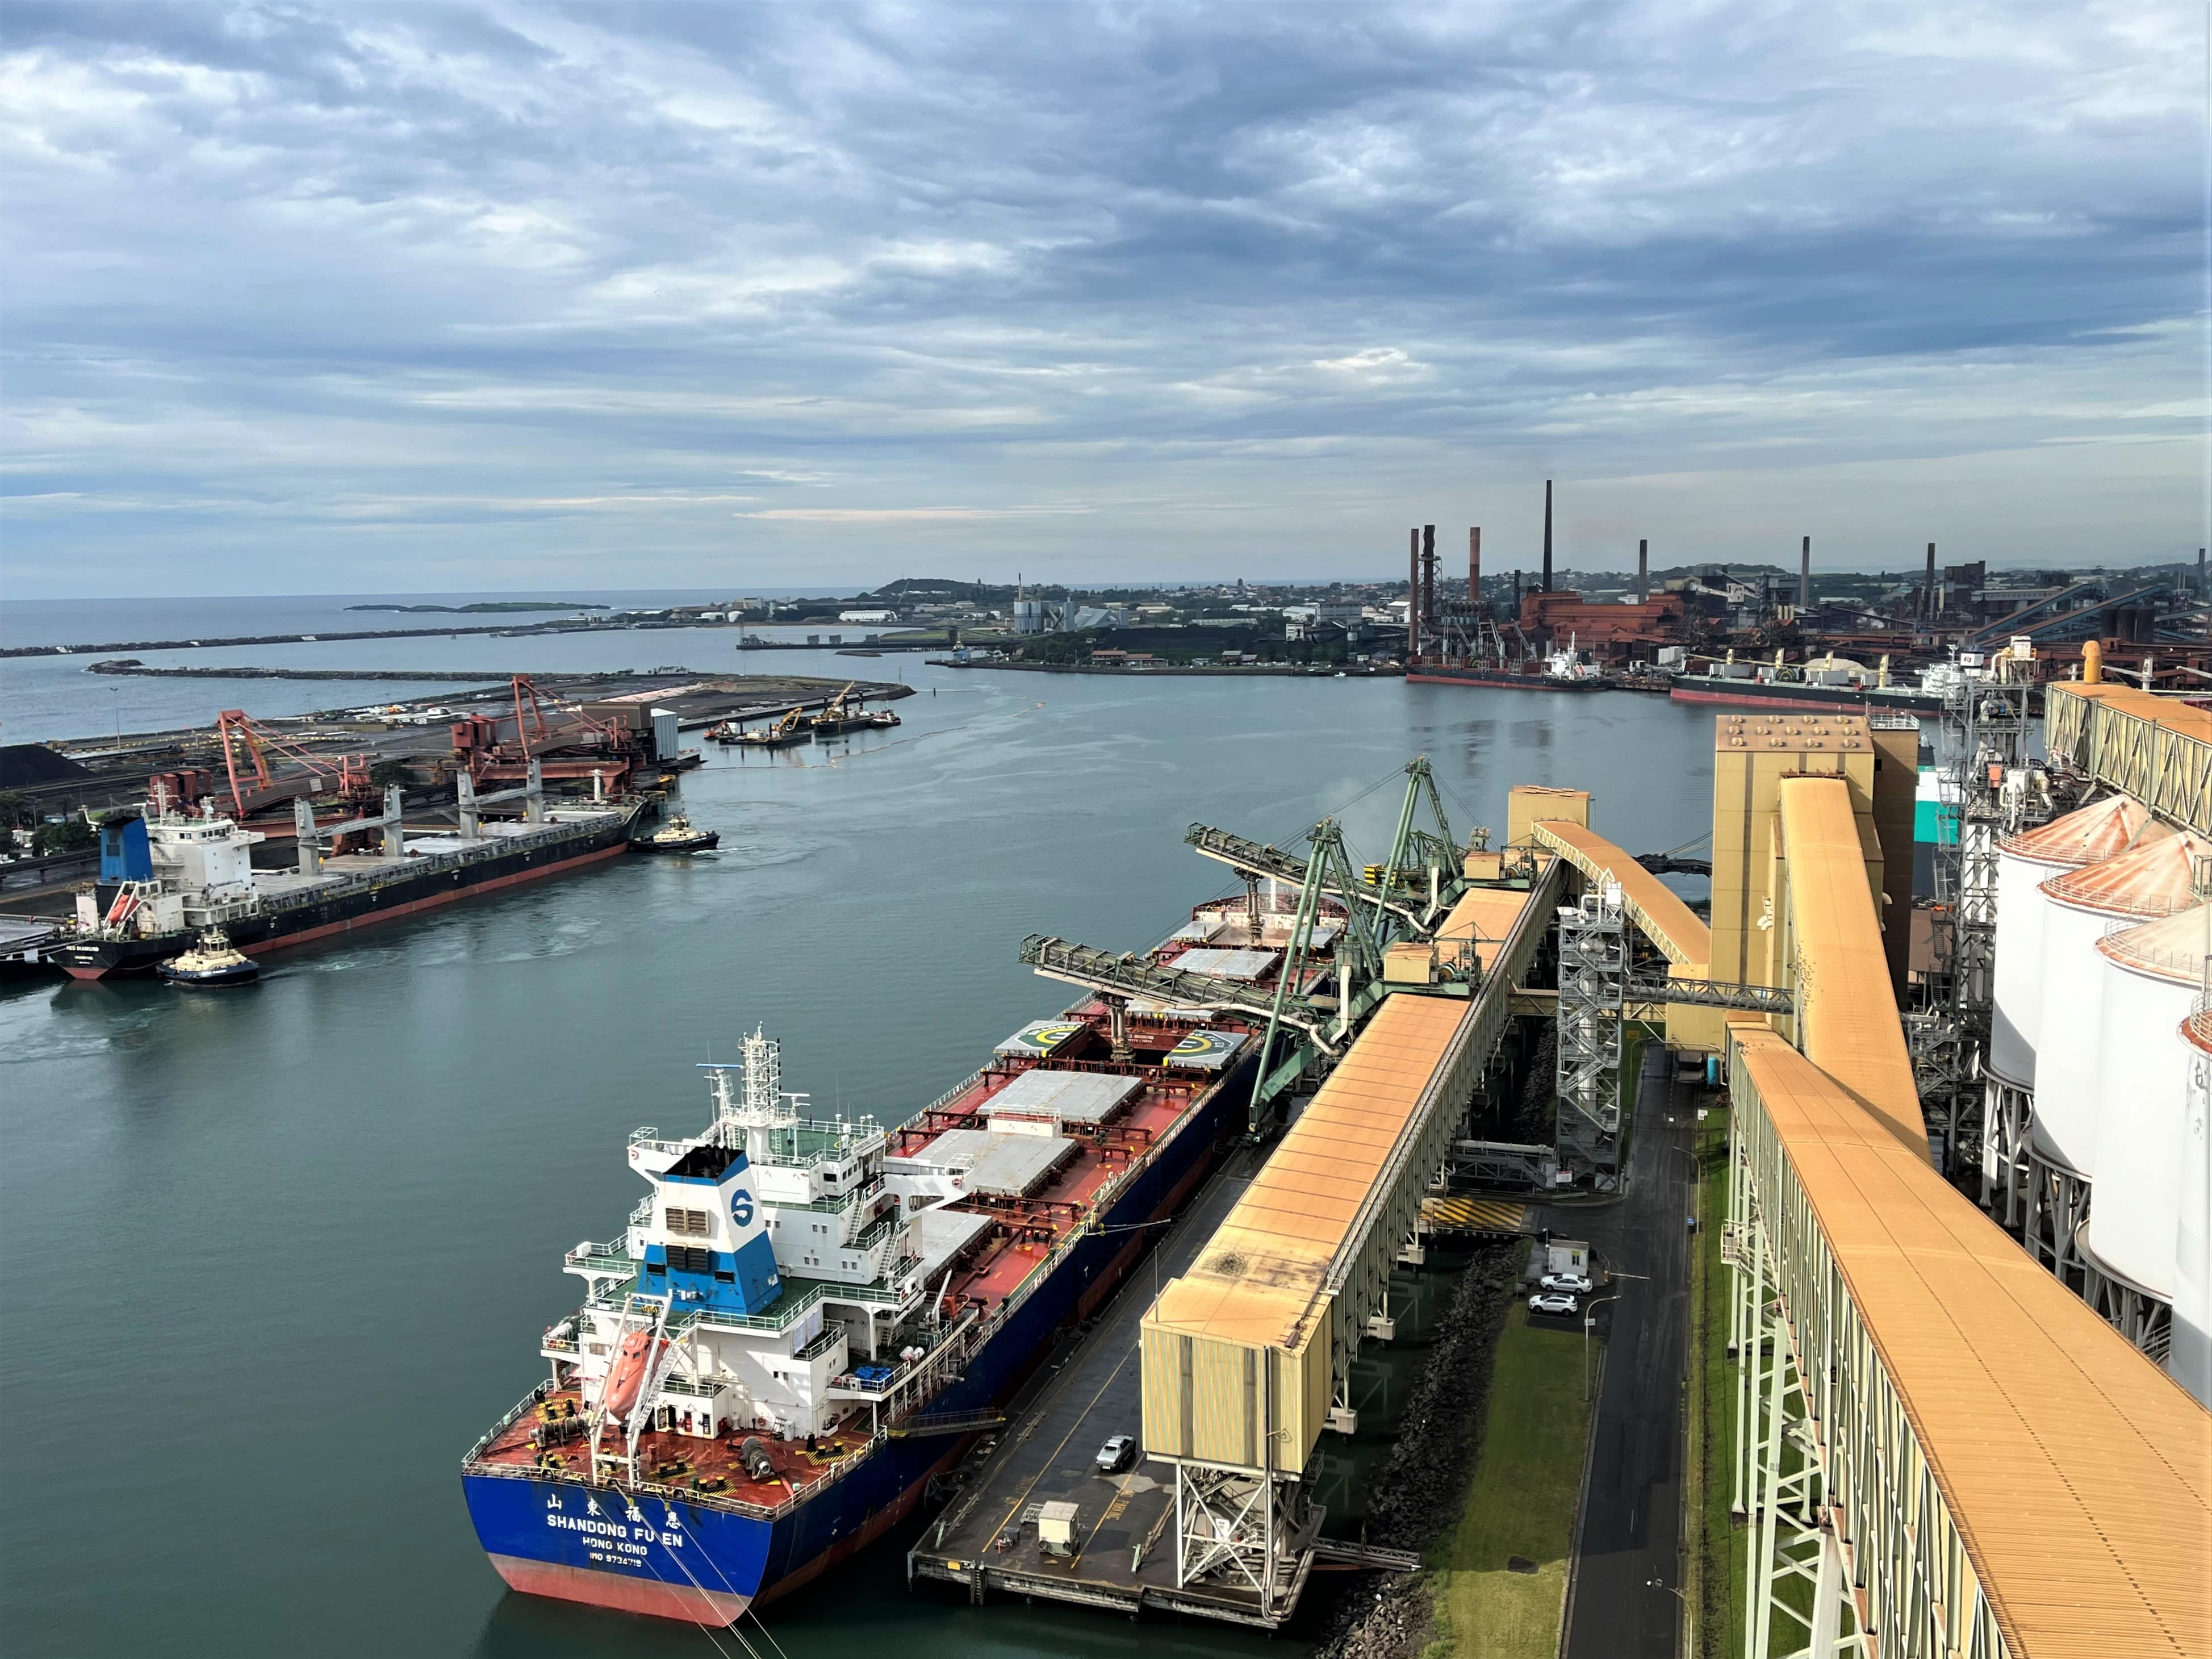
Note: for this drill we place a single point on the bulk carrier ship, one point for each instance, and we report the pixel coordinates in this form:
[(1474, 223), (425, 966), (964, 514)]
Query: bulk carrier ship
[(805, 1320), (165, 878)]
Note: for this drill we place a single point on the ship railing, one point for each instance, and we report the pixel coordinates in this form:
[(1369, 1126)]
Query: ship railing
[(778, 1318), (953, 1093), (836, 1202), (527, 1403), (612, 1256), (693, 1387), (878, 1230), (823, 1344)]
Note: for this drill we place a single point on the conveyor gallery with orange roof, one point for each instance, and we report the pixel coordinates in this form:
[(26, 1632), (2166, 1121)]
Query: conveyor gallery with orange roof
[(1948, 1440)]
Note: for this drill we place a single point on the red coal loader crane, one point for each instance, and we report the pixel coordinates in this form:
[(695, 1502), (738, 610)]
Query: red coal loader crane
[(247, 747), (565, 740)]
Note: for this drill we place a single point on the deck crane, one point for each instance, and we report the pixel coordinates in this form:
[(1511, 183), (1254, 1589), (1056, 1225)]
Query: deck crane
[(1417, 884), (1305, 1022)]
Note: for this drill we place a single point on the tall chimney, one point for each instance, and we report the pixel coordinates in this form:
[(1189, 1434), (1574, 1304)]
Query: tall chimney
[(1429, 583), (1475, 569), (1547, 535), (1928, 587), (1414, 594), (2203, 592), (1805, 576), (1643, 571)]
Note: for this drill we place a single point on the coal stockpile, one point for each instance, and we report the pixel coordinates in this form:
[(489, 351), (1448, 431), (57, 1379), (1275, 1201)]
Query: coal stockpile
[(22, 764), (1418, 1491)]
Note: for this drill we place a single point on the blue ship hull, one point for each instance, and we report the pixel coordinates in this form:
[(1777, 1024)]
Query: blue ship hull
[(551, 1535)]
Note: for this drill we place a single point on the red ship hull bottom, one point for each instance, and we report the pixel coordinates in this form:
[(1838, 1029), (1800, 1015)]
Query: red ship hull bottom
[(623, 1595)]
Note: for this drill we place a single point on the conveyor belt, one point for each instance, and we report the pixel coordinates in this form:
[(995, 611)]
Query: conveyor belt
[(2000, 1473)]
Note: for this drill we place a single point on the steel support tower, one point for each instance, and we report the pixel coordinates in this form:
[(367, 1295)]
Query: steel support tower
[(1982, 745), (1593, 993)]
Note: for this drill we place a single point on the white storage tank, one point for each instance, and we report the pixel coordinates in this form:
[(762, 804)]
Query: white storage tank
[(2191, 1360), (2103, 829), (2149, 881), (2152, 976)]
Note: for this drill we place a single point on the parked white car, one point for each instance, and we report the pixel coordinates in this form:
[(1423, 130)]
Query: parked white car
[(1552, 1301), (1574, 1282)]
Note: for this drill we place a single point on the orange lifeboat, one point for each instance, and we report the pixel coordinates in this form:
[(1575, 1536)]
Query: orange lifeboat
[(633, 1361)]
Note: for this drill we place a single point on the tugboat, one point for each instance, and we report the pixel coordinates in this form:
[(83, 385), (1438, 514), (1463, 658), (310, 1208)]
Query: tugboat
[(678, 834), (209, 965)]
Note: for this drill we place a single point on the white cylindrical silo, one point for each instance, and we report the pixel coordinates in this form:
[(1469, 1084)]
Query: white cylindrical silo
[(2150, 881), (2100, 830), (2152, 976), (2190, 1357)]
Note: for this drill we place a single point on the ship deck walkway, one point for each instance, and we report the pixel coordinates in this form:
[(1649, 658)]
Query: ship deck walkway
[(1125, 1560)]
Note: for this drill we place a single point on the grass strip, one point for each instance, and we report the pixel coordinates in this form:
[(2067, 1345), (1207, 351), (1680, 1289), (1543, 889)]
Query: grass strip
[(1520, 1502), (1716, 1590)]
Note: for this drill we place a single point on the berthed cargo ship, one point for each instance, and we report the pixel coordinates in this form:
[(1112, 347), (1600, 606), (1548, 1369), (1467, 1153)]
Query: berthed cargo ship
[(165, 879), (806, 1319)]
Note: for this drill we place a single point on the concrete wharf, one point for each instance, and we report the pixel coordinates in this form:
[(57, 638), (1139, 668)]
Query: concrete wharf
[(1124, 1561)]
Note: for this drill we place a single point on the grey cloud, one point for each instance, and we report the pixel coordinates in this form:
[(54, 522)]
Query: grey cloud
[(1145, 258)]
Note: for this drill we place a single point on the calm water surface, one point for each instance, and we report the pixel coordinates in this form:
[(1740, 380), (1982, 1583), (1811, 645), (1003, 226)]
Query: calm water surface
[(276, 1257)]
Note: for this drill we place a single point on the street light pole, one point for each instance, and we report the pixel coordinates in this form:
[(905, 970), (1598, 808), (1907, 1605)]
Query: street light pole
[(1589, 1319)]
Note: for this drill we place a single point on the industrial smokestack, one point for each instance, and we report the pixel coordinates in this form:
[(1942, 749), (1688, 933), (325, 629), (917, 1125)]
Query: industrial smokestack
[(1928, 587), (1547, 535), (1643, 571), (2203, 592), (1429, 582), (1805, 576), (1413, 593), (1474, 568)]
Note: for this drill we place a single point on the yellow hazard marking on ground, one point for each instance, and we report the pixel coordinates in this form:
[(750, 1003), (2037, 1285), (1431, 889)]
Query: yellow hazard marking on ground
[(1473, 1215)]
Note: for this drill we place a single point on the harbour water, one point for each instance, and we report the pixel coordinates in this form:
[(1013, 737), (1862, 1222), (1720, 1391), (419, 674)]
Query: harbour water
[(276, 1256)]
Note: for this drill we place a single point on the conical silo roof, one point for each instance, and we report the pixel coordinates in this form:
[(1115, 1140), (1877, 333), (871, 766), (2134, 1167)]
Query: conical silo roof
[(2173, 947), (2154, 877), (2103, 829)]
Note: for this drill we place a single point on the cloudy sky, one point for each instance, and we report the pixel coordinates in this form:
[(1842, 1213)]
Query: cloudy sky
[(308, 298)]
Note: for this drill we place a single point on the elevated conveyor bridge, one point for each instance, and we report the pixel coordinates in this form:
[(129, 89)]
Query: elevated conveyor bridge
[(1940, 1451), (1247, 1356)]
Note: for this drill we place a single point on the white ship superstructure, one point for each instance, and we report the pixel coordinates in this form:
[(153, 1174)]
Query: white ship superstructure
[(779, 1268)]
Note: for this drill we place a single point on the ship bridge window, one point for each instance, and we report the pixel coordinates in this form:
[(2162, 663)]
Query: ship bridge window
[(685, 1221), (690, 1259)]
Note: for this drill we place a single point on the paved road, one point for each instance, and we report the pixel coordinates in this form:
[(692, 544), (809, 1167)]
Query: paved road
[(1095, 1392), (1625, 1605)]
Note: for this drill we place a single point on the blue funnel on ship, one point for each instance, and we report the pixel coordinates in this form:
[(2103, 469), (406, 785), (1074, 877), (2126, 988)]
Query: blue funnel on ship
[(707, 1245), (124, 853)]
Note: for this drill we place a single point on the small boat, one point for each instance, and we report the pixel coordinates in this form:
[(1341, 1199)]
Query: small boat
[(211, 963), (678, 834)]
